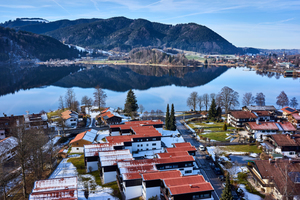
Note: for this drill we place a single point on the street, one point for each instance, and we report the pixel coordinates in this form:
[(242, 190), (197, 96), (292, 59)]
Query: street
[(203, 164)]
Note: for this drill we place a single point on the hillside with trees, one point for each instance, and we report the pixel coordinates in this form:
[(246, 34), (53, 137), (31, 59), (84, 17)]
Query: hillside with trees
[(120, 33), (16, 45)]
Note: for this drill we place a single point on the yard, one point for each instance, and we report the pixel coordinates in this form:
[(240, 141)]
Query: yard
[(212, 130), (241, 148)]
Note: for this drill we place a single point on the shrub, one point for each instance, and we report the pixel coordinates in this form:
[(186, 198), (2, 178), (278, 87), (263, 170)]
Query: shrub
[(224, 127)]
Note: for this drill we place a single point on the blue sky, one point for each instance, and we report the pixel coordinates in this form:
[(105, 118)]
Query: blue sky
[(273, 24)]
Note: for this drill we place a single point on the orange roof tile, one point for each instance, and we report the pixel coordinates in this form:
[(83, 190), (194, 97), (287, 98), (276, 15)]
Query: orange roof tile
[(66, 114), (78, 137), (287, 126), (183, 144), (190, 188), (289, 110), (173, 154), (263, 126), (179, 149)]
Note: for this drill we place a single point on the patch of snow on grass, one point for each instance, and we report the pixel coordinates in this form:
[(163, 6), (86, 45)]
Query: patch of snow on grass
[(169, 133), (249, 195)]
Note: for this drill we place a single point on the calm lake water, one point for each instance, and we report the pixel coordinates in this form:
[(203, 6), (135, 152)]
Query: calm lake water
[(154, 87)]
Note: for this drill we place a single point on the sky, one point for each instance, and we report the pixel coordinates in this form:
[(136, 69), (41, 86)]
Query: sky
[(268, 24)]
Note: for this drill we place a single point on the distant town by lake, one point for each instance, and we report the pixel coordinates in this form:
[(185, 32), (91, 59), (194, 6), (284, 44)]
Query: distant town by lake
[(38, 88)]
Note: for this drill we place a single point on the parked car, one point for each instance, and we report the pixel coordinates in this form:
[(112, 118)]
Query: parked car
[(217, 171), (202, 148)]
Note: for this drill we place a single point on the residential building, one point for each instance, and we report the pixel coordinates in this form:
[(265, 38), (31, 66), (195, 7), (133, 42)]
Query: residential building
[(287, 111), (239, 118), (91, 153), (259, 130), (186, 187), (151, 182), (81, 139), (8, 148), (285, 144), (279, 177), (36, 121), (8, 123), (70, 118), (108, 163), (109, 118), (55, 189)]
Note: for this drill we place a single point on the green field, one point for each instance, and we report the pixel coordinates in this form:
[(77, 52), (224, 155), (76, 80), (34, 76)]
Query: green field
[(242, 148), (218, 136)]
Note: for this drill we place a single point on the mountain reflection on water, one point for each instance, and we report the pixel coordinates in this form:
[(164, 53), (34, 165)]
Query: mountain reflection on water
[(116, 78), (123, 78)]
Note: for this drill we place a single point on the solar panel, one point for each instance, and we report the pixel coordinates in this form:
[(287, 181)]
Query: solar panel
[(290, 109)]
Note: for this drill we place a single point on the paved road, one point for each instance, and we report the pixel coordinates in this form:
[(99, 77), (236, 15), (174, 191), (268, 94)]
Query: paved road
[(206, 171)]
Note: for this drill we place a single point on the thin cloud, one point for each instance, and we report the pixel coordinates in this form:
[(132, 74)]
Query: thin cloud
[(61, 6), (17, 6), (95, 4)]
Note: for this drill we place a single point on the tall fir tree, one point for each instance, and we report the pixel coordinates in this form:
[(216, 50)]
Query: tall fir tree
[(227, 195), (219, 112), (167, 120), (212, 112), (172, 119), (131, 105)]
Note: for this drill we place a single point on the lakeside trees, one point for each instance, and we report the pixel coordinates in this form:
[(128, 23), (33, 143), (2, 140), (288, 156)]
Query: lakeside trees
[(99, 97), (293, 102), (260, 99), (228, 98), (170, 121), (192, 100), (248, 99), (282, 99)]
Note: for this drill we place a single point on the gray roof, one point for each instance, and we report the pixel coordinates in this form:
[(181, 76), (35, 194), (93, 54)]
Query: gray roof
[(256, 108)]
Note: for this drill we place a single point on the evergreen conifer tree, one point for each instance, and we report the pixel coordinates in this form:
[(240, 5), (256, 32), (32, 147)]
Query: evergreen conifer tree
[(225, 127), (226, 195), (172, 119), (167, 120), (212, 112), (219, 112), (131, 105)]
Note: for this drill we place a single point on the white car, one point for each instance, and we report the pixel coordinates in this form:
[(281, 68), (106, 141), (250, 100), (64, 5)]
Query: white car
[(202, 148)]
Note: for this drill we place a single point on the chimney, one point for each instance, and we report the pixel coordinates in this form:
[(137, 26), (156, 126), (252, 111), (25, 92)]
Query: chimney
[(257, 121)]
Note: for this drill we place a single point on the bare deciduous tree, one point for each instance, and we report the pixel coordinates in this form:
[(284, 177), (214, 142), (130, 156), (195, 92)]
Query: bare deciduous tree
[(260, 99), (228, 98), (141, 108), (282, 99), (100, 97), (212, 96), (192, 100), (87, 101), (206, 100), (61, 103), (248, 99), (70, 100), (200, 102)]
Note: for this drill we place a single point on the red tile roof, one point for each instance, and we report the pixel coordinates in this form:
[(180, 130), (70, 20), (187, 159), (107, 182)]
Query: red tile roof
[(263, 126), (160, 175), (94, 149), (289, 110), (286, 139), (296, 116), (240, 114), (187, 184), (145, 123), (183, 144), (287, 126), (180, 149), (165, 155), (78, 137), (66, 114)]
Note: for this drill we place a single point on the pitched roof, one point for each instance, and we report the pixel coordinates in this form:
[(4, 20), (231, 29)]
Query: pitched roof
[(255, 108), (67, 114), (187, 184), (180, 149), (286, 139), (263, 126), (287, 126), (182, 144), (7, 144), (109, 158), (240, 114), (89, 136), (296, 116), (275, 170), (173, 154), (57, 188), (94, 149), (262, 113), (160, 175), (289, 110)]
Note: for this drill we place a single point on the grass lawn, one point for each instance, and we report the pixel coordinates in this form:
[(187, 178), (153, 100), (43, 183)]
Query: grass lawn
[(218, 136), (216, 126), (78, 162), (242, 148), (195, 57)]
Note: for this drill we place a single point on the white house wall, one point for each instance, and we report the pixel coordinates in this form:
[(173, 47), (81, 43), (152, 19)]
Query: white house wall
[(151, 192), (143, 146), (93, 164), (77, 150), (70, 121), (109, 176), (133, 192)]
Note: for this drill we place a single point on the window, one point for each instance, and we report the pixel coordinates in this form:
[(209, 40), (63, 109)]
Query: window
[(147, 149), (168, 167), (138, 145), (188, 164), (153, 148), (77, 148), (153, 139), (175, 166), (141, 145), (188, 171), (292, 153), (153, 144), (147, 144)]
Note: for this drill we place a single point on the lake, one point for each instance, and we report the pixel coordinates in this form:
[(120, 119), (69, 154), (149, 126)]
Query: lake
[(38, 88)]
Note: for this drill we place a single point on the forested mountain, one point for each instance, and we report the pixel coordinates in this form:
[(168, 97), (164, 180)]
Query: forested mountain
[(121, 33), (16, 45)]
